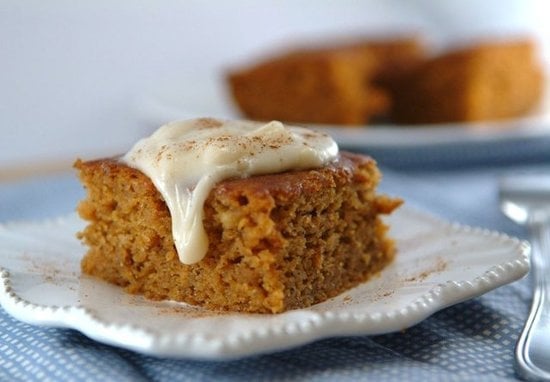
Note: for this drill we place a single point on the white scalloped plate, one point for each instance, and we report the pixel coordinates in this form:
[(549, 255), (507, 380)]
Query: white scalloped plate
[(438, 264)]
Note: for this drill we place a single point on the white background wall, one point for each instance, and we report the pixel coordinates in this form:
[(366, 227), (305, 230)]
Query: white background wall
[(89, 78)]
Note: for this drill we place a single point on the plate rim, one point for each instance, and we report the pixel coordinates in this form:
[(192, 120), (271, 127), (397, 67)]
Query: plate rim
[(286, 336), (386, 136)]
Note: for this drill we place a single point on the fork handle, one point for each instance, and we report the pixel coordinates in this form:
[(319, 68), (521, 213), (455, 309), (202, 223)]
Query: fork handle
[(533, 347)]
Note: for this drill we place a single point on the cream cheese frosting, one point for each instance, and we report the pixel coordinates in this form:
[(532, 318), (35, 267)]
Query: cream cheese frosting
[(185, 160)]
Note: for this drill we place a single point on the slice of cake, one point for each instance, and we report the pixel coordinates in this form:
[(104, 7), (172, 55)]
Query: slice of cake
[(487, 81), (310, 86), (288, 221)]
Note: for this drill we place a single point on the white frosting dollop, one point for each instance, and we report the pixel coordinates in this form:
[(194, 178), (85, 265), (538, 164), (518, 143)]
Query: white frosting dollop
[(185, 159)]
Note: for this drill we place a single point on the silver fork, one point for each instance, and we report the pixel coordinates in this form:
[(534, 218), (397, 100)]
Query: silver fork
[(526, 200)]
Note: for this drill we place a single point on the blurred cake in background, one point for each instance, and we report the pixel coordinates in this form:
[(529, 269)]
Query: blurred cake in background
[(397, 80), (340, 84), (486, 81)]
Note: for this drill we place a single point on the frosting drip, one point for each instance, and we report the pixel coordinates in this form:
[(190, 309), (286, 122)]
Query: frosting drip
[(185, 160)]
